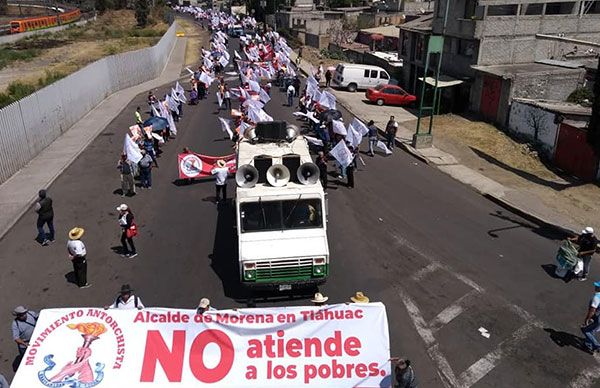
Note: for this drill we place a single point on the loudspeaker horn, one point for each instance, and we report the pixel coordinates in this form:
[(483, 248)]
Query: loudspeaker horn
[(291, 132), (250, 134), (278, 175), (308, 173), (246, 176)]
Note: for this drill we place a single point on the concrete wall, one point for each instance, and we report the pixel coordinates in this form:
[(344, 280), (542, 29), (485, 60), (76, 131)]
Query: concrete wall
[(555, 86), (371, 19), (29, 125), (317, 41), (523, 120)]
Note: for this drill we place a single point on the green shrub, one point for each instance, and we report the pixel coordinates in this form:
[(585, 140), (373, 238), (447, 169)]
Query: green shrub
[(15, 91), (50, 77), (9, 55), (581, 94)]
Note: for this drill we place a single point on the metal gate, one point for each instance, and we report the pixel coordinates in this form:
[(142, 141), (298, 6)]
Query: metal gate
[(573, 153), (490, 97)]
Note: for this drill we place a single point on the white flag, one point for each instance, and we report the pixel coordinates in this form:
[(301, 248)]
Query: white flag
[(224, 62), (258, 115), (154, 111), (219, 99), (206, 79), (264, 96), (353, 137), (179, 88), (243, 126), (339, 128), (131, 150), (342, 154), (327, 99), (254, 86), (226, 126), (189, 70), (359, 127), (381, 145), (314, 140), (237, 55)]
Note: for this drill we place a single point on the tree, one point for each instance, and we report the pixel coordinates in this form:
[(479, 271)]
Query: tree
[(594, 126), (100, 5), (141, 12)]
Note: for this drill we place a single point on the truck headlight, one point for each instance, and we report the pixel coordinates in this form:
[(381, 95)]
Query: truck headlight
[(319, 266), (250, 271)]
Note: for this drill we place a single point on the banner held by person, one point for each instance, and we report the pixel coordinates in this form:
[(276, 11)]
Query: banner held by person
[(192, 165), (342, 154), (343, 345)]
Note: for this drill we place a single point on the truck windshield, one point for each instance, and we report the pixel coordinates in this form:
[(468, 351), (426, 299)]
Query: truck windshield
[(281, 215)]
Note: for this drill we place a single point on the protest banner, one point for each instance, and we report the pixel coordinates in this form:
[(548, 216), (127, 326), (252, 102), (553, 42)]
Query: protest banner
[(344, 345), (192, 165)]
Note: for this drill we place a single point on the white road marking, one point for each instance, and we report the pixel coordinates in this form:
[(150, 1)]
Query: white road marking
[(485, 364), (588, 376), (432, 348), (452, 311), (420, 274)]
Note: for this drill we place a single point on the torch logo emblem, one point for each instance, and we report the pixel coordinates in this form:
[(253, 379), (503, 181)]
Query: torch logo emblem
[(78, 373)]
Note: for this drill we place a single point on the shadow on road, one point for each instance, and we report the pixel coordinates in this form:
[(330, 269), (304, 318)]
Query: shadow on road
[(70, 277), (563, 339), (544, 231), (550, 269)]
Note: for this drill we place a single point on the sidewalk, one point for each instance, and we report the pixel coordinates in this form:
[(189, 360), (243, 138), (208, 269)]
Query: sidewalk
[(20, 191), (522, 203)]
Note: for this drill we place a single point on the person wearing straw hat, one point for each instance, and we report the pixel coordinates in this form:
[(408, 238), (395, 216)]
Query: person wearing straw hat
[(359, 297), (22, 327), (221, 172), (319, 299), (77, 254), (587, 243)]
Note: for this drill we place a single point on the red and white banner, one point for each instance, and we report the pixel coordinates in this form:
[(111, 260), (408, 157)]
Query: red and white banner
[(193, 165), (344, 345)]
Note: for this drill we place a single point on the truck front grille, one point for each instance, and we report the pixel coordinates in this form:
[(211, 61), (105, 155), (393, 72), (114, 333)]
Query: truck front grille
[(283, 269)]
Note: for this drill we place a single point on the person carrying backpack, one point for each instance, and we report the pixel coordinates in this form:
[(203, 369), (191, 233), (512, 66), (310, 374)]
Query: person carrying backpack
[(126, 300), (22, 327)]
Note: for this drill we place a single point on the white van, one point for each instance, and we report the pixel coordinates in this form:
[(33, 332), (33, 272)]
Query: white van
[(355, 76)]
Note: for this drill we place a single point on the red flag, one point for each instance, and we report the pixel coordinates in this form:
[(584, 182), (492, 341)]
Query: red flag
[(194, 165)]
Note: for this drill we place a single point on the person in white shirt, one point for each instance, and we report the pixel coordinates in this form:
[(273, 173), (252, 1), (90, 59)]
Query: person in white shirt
[(221, 172), (77, 254), (126, 300), (291, 90)]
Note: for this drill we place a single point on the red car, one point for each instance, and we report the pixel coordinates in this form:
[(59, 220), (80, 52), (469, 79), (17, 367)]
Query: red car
[(389, 95)]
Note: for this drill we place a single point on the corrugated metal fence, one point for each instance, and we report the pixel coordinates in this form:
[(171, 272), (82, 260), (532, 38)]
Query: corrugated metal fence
[(29, 125)]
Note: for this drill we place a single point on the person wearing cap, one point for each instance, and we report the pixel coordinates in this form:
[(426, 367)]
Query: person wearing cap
[(359, 297), (405, 375), (77, 254), (319, 299), (22, 327), (591, 324), (126, 300), (43, 207), (126, 221), (587, 243), (221, 172), (204, 305), (145, 164)]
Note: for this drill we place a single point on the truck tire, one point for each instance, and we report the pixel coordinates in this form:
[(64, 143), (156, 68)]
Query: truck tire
[(352, 87)]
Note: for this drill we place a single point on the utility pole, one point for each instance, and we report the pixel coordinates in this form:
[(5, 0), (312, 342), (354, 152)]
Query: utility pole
[(434, 46)]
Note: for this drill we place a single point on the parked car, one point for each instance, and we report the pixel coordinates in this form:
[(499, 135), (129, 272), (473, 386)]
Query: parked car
[(386, 94), (354, 76)]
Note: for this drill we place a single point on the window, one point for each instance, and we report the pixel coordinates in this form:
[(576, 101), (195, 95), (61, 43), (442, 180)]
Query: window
[(466, 48), (383, 75), (502, 10), (374, 73), (590, 7), (281, 215), (366, 73), (403, 42), (532, 9), (391, 91), (470, 6), (562, 8)]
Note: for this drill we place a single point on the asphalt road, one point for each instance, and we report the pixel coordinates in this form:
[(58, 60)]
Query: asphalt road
[(444, 260)]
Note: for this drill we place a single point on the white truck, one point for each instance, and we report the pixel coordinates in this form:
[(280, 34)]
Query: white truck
[(281, 213)]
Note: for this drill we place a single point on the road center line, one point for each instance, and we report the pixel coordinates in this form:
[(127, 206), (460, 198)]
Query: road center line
[(485, 364), (452, 311)]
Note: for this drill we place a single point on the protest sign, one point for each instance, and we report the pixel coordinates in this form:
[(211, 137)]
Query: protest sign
[(344, 345), (192, 165)]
